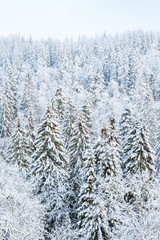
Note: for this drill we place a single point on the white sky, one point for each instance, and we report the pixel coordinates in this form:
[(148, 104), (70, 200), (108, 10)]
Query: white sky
[(71, 18)]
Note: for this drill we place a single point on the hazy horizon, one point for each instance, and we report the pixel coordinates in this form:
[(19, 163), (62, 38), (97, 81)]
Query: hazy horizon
[(60, 19)]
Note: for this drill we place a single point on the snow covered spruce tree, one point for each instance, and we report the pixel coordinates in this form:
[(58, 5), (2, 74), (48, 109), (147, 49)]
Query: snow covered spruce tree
[(68, 122), (157, 152), (110, 158), (10, 75), (92, 212), (144, 102), (59, 103), (139, 179), (109, 176), (99, 146), (18, 151), (8, 109), (31, 132), (140, 157), (78, 145), (88, 114), (30, 99), (49, 170), (125, 128)]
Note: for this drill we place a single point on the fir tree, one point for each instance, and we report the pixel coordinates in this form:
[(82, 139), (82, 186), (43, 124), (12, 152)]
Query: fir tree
[(8, 110), (31, 132), (68, 122), (78, 145), (87, 112), (157, 152), (109, 157), (58, 103), (29, 100), (99, 147), (91, 215), (18, 150), (140, 156), (125, 128), (10, 75), (49, 168)]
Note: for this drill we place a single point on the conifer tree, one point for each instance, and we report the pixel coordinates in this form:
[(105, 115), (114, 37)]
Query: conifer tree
[(30, 132), (99, 147), (58, 103), (140, 156), (157, 152), (10, 75), (78, 145), (88, 114), (144, 103), (18, 151), (29, 100), (125, 128), (91, 213), (109, 157), (8, 109), (49, 168), (68, 122)]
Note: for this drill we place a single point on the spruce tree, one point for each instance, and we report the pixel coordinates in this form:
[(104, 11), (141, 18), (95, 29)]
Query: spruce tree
[(78, 145), (88, 114), (18, 151), (92, 213), (8, 109), (125, 128), (59, 103), (68, 122), (109, 157), (31, 132), (157, 152), (10, 75), (138, 168), (99, 147), (29, 100), (140, 156), (49, 170)]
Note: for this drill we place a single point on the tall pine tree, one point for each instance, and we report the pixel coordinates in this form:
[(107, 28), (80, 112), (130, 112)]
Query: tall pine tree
[(18, 151), (49, 168)]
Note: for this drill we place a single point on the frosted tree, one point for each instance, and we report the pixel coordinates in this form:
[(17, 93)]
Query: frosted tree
[(68, 122), (138, 169), (31, 132), (110, 157), (49, 170), (87, 111), (21, 213), (8, 109), (157, 152), (144, 102), (141, 209), (78, 145), (29, 100), (10, 75), (58, 103), (140, 156), (91, 213), (18, 151), (99, 147), (109, 174), (126, 123)]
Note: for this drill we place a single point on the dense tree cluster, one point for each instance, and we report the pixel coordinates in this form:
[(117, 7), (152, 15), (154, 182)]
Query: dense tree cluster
[(80, 140)]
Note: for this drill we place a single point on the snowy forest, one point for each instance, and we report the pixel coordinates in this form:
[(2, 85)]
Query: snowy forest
[(80, 138)]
